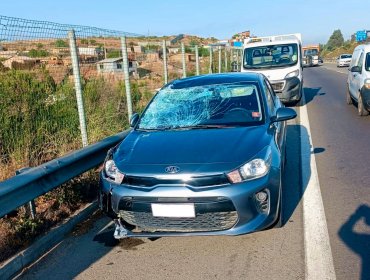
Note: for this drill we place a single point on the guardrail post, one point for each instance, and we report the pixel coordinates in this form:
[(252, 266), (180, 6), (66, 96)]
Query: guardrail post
[(30, 206), (165, 62), (78, 87), (197, 59), (210, 60), (219, 59), (126, 74), (183, 60)]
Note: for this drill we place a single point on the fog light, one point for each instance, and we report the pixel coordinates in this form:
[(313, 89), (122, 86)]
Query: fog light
[(261, 196), (262, 201)]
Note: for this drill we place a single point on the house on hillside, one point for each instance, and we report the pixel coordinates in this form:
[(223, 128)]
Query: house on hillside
[(91, 51), (115, 65), (173, 50), (21, 62)]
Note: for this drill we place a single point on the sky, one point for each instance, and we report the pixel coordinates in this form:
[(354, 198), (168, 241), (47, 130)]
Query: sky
[(315, 19)]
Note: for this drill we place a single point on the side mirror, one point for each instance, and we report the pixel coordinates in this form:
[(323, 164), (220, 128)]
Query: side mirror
[(356, 69), (284, 114), (134, 119)]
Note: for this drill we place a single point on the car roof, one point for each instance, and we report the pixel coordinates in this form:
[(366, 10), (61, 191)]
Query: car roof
[(213, 79), (365, 47)]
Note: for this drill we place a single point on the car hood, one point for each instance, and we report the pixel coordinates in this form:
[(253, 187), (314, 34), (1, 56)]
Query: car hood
[(199, 150)]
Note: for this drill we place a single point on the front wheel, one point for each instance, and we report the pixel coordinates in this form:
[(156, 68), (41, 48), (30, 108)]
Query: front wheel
[(360, 107)]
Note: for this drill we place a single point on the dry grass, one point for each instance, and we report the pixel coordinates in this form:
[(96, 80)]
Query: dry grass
[(18, 230)]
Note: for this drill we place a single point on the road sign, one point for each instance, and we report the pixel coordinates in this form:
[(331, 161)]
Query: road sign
[(361, 35)]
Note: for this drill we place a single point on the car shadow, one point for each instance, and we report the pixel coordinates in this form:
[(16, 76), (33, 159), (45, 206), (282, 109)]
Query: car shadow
[(298, 153), (310, 94), (358, 240)]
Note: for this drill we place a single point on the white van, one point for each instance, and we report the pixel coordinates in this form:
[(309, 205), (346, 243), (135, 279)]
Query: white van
[(359, 79), (279, 58)]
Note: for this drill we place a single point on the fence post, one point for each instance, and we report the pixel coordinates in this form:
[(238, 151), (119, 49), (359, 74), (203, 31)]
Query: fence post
[(126, 74), (237, 59), (219, 59), (197, 59), (78, 87), (226, 70), (165, 62), (183, 60), (210, 60)]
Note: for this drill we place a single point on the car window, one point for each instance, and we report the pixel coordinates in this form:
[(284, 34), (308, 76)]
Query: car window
[(367, 62), (360, 60), (223, 104), (269, 97)]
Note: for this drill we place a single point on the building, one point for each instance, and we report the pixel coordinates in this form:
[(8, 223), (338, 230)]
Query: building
[(115, 65), (173, 50), (91, 51), (21, 62)]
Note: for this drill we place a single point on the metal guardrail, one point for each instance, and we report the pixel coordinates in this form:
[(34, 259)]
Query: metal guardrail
[(36, 181)]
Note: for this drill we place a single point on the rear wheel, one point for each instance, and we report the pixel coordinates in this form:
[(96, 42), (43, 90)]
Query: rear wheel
[(348, 97), (360, 107)]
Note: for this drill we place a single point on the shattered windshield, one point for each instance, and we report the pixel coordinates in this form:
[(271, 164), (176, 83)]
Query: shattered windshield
[(270, 56), (208, 106)]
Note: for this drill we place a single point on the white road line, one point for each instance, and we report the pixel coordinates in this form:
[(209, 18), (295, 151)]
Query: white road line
[(318, 255)]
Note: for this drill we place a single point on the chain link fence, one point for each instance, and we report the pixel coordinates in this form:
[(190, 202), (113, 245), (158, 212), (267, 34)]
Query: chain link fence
[(61, 83)]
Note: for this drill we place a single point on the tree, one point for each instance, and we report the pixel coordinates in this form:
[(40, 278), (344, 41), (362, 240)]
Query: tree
[(61, 43), (336, 40), (84, 42)]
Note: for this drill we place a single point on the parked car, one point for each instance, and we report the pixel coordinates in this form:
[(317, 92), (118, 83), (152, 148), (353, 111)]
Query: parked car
[(358, 82), (206, 157), (344, 60)]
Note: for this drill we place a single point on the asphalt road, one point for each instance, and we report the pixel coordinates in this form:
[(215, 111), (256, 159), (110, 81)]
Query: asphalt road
[(340, 146)]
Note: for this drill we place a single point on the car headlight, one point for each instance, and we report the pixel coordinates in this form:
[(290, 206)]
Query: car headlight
[(256, 168), (367, 83), (295, 73), (112, 171)]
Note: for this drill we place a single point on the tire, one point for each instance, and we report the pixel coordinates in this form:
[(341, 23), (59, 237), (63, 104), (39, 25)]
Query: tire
[(349, 100), (360, 107), (279, 221)]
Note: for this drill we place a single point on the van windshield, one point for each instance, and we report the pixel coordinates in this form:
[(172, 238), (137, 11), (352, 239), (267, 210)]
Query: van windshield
[(311, 52), (271, 56)]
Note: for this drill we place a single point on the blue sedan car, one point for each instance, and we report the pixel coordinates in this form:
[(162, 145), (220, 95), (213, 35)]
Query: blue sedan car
[(206, 157)]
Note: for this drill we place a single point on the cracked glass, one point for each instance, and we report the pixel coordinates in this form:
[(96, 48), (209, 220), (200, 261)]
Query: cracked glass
[(203, 107)]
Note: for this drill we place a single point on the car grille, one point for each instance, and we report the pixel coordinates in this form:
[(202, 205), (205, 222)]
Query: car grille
[(214, 180), (212, 221), (278, 87)]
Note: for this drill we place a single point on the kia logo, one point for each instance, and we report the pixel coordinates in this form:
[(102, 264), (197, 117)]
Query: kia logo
[(172, 169)]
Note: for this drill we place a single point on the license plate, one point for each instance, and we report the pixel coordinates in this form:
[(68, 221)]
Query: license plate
[(178, 210)]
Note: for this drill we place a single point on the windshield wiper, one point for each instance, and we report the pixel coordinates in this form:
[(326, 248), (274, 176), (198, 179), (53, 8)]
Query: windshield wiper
[(204, 126)]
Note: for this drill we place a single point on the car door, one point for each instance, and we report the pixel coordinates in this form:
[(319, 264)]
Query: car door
[(351, 76), (273, 103), (357, 77)]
